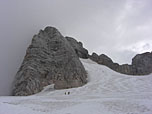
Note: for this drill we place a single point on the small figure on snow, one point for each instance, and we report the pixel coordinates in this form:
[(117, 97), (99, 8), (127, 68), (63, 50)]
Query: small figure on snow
[(68, 93)]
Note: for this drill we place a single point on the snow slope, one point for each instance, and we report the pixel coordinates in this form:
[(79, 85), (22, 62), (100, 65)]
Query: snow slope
[(107, 92)]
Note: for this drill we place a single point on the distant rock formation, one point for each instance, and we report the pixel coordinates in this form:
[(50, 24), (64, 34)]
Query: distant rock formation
[(141, 64), (50, 59)]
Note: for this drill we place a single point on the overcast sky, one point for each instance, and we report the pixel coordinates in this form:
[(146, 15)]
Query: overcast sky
[(118, 28)]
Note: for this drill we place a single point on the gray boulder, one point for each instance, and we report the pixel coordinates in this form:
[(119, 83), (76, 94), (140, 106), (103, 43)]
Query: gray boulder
[(50, 59), (78, 47)]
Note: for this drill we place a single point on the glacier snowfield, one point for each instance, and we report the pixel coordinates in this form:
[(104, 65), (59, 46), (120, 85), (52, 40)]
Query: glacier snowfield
[(107, 92)]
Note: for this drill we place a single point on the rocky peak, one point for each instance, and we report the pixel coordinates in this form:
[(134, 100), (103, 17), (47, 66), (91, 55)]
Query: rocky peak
[(50, 59)]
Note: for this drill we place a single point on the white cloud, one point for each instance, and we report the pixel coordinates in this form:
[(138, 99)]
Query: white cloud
[(140, 47)]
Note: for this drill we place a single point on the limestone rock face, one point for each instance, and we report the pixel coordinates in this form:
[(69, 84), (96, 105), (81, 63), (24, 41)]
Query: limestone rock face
[(105, 60), (50, 59), (94, 57), (78, 47), (143, 63), (126, 69), (102, 59)]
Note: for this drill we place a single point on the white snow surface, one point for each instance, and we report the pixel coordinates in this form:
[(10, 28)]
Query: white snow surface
[(107, 92)]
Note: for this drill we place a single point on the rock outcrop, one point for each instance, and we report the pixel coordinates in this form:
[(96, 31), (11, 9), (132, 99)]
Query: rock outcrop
[(50, 59), (78, 47), (102, 59), (141, 64)]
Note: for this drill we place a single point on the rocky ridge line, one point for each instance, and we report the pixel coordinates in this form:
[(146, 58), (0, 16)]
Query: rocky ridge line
[(141, 63)]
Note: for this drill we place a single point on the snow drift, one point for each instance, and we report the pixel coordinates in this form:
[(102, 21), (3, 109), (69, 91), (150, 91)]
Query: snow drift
[(107, 92)]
